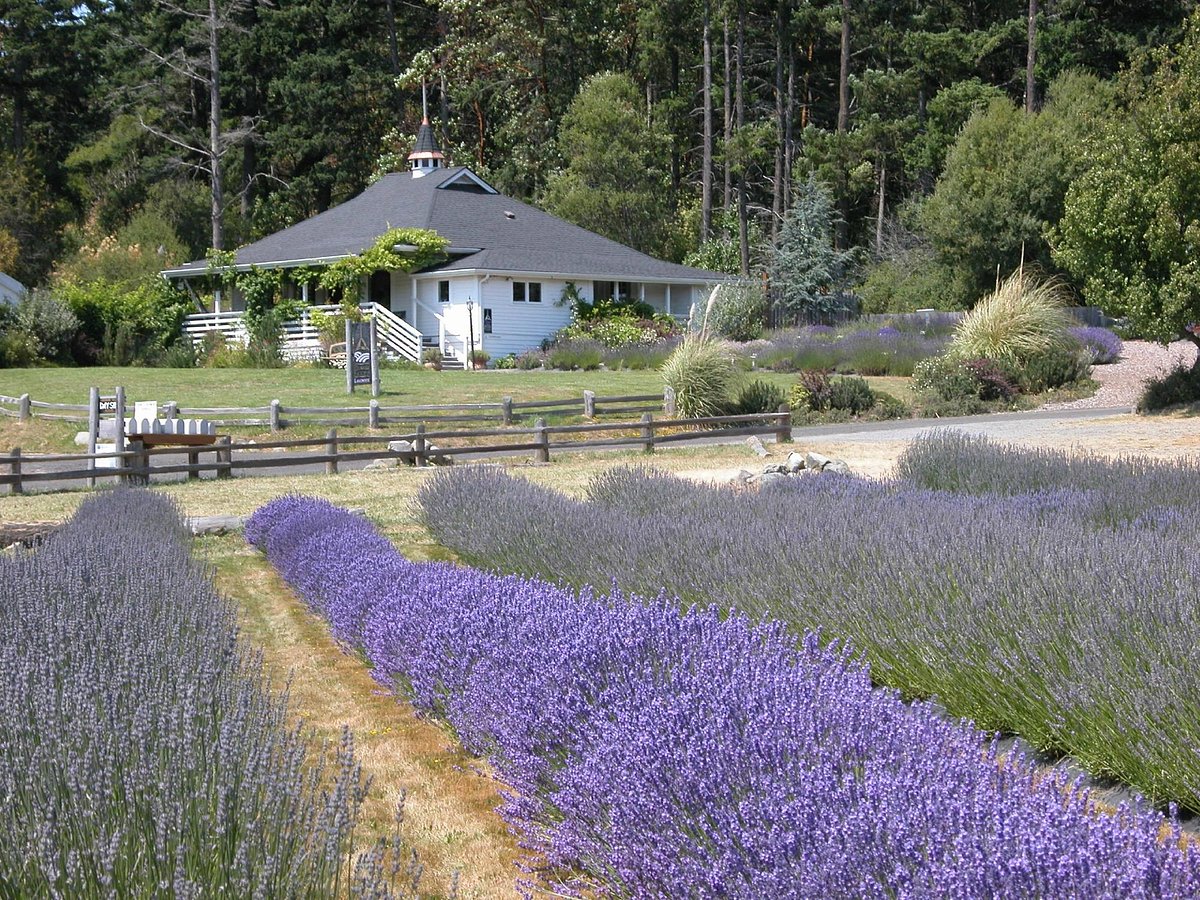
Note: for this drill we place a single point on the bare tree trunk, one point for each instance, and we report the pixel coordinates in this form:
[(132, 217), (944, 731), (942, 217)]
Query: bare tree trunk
[(789, 154), (394, 54), (214, 129), (881, 205), (728, 171), (780, 131), (1031, 59), (706, 174), (740, 104), (843, 123)]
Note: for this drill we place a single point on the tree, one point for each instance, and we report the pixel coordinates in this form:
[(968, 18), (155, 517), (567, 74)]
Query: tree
[(1131, 229), (1006, 182), (808, 274), (616, 181)]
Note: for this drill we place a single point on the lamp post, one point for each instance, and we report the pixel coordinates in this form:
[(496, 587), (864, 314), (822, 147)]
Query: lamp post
[(471, 331)]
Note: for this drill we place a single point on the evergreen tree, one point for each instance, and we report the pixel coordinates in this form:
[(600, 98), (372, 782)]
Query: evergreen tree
[(808, 274)]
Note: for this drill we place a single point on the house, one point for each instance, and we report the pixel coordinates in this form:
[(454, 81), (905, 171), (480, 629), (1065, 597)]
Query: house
[(507, 268), (11, 290)]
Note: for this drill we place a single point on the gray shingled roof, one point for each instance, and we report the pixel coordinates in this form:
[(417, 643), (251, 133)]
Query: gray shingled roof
[(502, 234)]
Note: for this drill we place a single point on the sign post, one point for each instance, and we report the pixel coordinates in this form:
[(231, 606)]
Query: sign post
[(93, 431), (360, 355)]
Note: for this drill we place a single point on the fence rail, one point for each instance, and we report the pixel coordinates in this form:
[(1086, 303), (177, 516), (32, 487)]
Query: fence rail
[(136, 465), (278, 417)]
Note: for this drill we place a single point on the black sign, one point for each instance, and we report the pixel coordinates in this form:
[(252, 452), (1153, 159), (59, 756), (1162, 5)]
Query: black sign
[(358, 355), (108, 405), (487, 321)]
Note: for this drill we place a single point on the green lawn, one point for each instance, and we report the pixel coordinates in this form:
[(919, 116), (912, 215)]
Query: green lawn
[(327, 387)]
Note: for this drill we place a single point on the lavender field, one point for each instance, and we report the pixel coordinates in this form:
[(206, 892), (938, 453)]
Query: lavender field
[(654, 751), (1032, 593), (142, 753)]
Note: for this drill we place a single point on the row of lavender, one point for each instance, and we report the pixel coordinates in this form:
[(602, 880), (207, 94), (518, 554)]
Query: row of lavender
[(1067, 614), (142, 753), (660, 753)]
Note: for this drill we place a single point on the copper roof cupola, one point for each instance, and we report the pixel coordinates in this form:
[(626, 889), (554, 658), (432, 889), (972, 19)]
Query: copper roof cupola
[(426, 155)]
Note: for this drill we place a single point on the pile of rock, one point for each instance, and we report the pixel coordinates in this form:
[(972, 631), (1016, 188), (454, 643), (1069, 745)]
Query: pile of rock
[(797, 464), (402, 453)]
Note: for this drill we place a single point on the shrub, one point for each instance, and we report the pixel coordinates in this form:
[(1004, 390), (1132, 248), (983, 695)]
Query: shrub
[(582, 354), (811, 391), (703, 374), (18, 350), (507, 362), (531, 359), (945, 378), (739, 311), (640, 356), (994, 380), (433, 357), (1179, 386), (48, 321), (1023, 317), (610, 331), (1053, 367), (757, 396), (1102, 345), (851, 393), (888, 406)]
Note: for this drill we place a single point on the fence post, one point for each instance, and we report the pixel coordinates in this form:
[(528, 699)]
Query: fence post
[(225, 457), (419, 445), (93, 430), (541, 437), (506, 411), (139, 469), (669, 402), (23, 410), (589, 404), (784, 433), (373, 413), (16, 487), (193, 458), (274, 416), (374, 357), (119, 438), (331, 449), (648, 432)]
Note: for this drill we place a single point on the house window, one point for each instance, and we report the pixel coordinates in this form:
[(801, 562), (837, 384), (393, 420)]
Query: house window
[(624, 291), (527, 290), (380, 288), (443, 292)]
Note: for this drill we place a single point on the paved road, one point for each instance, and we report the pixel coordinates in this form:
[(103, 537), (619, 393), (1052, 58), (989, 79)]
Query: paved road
[(1019, 426)]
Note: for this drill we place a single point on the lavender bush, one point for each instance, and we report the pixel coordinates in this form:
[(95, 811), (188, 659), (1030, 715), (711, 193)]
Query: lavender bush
[(872, 351), (1102, 345), (142, 753), (670, 754), (1059, 615)]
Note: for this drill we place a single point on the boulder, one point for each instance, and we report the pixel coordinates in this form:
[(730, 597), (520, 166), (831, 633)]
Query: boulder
[(775, 469), (400, 446), (771, 477), (755, 444), (816, 461), (837, 467), (795, 462), (382, 464)]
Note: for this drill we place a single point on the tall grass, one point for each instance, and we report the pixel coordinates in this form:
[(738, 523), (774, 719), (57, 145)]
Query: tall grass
[(703, 374), (1023, 317)]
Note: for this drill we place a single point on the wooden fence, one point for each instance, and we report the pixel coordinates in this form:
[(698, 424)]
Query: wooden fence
[(278, 417), (139, 464)]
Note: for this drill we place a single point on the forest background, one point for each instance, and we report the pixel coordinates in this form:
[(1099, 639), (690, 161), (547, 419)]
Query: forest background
[(951, 139)]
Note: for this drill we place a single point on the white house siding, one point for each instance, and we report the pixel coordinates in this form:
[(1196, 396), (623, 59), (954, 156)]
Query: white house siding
[(520, 325)]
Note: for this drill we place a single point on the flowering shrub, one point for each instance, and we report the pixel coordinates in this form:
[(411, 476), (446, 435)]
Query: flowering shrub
[(871, 351), (670, 754), (142, 754), (1103, 347), (1065, 614)]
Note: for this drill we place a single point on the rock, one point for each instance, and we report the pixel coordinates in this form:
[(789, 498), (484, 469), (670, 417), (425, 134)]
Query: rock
[(837, 467), (771, 477), (438, 459), (742, 477), (816, 461), (755, 444), (795, 462), (400, 446), (214, 524), (81, 438), (775, 469), (382, 464)]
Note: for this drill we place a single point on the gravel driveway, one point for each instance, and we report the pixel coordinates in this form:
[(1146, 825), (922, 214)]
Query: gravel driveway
[(1121, 383)]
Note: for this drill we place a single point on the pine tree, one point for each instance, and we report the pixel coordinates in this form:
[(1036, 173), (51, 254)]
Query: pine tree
[(808, 274)]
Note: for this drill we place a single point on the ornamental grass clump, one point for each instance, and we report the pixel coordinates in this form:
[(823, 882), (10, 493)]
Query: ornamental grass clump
[(659, 752), (1023, 317), (1064, 612), (703, 374), (142, 751)]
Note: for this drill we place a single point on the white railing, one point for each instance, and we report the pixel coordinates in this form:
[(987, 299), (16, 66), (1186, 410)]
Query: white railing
[(301, 340)]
